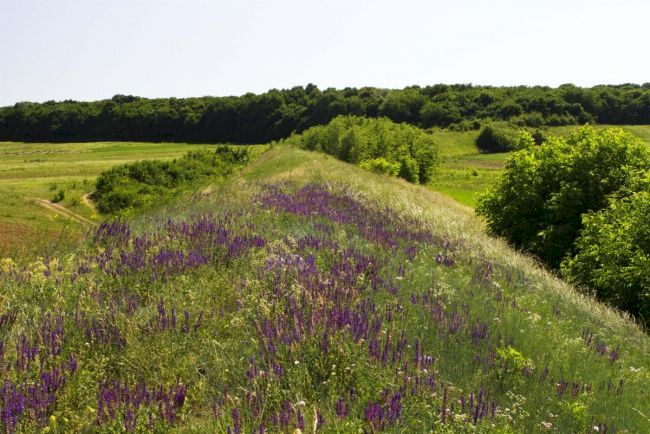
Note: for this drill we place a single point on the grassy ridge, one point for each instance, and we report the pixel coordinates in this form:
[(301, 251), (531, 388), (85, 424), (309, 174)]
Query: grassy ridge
[(440, 315)]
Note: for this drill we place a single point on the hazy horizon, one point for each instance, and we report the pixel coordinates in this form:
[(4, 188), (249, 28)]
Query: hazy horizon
[(90, 50)]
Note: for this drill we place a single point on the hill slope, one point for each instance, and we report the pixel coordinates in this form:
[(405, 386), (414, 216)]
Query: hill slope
[(310, 294)]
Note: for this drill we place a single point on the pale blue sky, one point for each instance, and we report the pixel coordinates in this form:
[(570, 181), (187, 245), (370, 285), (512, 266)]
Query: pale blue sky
[(93, 49)]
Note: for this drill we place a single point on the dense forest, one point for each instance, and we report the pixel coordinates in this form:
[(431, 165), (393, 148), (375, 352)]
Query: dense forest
[(276, 114)]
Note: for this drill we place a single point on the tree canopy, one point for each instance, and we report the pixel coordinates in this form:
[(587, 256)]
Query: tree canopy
[(276, 114), (539, 200), (379, 145)]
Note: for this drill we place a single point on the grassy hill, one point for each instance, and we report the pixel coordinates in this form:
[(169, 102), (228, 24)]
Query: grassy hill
[(309, 294)]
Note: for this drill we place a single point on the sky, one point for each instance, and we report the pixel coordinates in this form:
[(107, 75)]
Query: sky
[(93, 49)]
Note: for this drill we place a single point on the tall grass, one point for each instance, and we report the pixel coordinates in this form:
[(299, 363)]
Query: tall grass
[(307, 294)]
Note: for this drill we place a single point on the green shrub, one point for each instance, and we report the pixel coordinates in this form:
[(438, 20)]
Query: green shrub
[(380, 165), (533, 119), (379, 144), (409, 169), (524, 140), (493, 140), (538, 202), (556, 120), (425, 153), (613, 254), (138, 184), (539, 136), (59, 196)]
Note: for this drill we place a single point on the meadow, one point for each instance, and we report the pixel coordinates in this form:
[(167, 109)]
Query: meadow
[(309, 294), (30, 171)]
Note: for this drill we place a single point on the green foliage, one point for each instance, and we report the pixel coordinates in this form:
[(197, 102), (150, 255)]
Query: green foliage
[(380, 165), (512, 366), (538, 136), (138, 184), (440, 114), (379, 145), (58, 196), (276, 114), (491, 140), (538, 202), (409, 169), (613, 254), (524, 140)]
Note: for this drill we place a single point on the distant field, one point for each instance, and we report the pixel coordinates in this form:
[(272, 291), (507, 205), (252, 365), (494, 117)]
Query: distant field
[(465, 172), (30, 171)]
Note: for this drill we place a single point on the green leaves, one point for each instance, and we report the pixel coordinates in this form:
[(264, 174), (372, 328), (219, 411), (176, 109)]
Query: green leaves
[(538, 202), (379, 145), (136, 185), (492, 140), (380, 165), (549, 201), (614, 254)]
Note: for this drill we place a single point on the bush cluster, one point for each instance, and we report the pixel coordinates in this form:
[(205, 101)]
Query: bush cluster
[(58, 196), (492, 139), (554, 200), (379, 145), (138, 184)]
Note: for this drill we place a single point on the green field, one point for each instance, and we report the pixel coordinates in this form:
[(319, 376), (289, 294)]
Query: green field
[(40, 170), (465, 172)]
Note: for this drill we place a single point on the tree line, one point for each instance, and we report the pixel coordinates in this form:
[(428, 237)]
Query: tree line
[(276, 114)]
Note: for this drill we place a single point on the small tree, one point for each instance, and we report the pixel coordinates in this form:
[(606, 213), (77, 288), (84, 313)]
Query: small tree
[(409, 169), (59, 196), (492, 140)]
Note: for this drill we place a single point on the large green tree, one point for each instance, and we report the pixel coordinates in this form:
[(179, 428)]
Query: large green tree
[(538, 202)]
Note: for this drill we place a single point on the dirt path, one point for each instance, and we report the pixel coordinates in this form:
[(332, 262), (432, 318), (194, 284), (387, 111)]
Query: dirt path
[(85, 199), (61, 210)]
